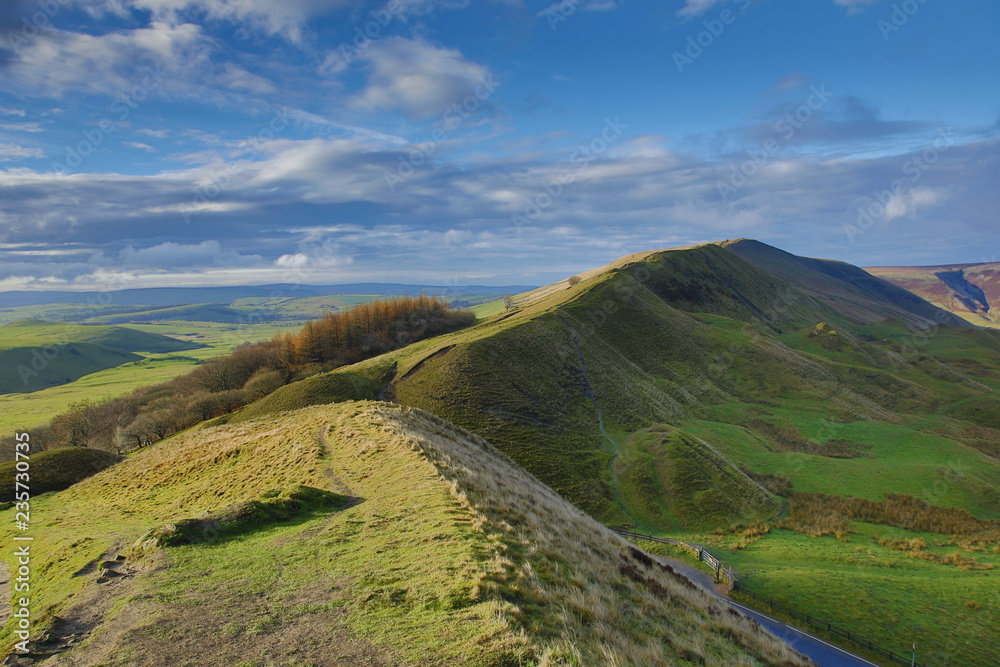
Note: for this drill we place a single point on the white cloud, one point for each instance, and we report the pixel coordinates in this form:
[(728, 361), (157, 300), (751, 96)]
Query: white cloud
[(854, 6), (907, 203), (697, 7), (417, 77), (106, 64), (285, 18), (10, 152), (22, 127), (139, 145), (8, 111), (638, 196), (558, 7)]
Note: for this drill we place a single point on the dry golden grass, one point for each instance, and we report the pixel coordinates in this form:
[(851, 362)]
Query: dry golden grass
[(453, 555), (564, 572)]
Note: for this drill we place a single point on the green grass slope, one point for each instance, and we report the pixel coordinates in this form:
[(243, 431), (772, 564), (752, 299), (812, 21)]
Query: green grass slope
[(56, 469), (807, 390), (667, 476), (39, 354), (36, 333), (562, 382), (32, 368), (332, 387), (239, 550), (846, 288)]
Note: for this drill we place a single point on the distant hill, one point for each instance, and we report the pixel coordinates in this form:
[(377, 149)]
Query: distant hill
[(204, 312), (181, 296), (38, 354), (971, 291), (444, 553), (851, 291)]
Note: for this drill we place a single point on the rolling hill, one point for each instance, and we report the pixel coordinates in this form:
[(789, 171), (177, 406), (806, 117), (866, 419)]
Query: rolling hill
[(359, 533), (828, 432), (851, 291), (689, 336), (40, 354), (679, 391), (971, 291)]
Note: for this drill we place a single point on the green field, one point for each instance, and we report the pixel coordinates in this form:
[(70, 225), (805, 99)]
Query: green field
[(879, 593), (26, 410)]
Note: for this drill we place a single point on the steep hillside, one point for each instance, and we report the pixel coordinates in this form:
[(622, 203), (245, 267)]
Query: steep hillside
[(681, 391), (355, 534), (695, 335), (971, 291), (863, 297)]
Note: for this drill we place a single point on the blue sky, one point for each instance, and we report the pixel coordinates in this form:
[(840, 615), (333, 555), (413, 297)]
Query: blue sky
[(175, 142)]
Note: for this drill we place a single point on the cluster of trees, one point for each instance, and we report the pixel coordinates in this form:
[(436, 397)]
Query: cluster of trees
[(372, 328), (252, 371)]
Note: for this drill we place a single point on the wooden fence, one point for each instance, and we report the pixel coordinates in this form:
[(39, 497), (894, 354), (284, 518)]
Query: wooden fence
[(723, 573)]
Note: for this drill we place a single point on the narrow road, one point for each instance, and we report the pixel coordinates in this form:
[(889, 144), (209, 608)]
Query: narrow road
[(814, 648), (822, 653)]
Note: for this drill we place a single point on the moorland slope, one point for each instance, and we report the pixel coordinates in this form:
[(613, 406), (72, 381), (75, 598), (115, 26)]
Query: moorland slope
[(358, 533), (971, 291)]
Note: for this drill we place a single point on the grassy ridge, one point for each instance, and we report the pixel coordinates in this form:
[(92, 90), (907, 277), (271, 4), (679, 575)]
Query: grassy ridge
[(718, 349), (450, 554)]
